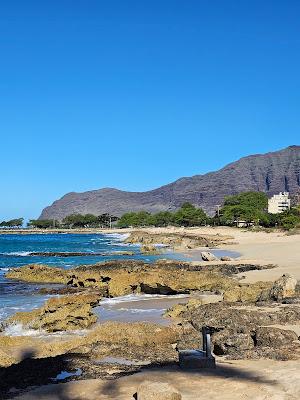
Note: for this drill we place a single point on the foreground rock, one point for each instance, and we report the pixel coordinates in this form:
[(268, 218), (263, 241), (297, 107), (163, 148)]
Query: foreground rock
[(60, 314), (248, 331), (157, 391), (134, 341)]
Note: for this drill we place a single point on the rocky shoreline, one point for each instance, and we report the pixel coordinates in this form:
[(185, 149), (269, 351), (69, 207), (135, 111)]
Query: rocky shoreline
[(247, 320)]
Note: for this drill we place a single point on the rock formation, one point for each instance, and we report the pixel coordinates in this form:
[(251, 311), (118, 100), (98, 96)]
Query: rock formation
[(60, 314)]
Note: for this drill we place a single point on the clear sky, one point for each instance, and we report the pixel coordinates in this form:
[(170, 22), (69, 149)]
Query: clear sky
[(134, 94)]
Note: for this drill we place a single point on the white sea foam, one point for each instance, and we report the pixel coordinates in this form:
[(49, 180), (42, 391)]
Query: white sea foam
[(117, 236), (139, 297), (142, 310), (17, 253), (20, 330)]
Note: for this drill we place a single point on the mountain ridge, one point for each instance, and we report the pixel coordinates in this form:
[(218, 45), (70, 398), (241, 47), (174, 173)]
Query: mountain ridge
[(270, 173)]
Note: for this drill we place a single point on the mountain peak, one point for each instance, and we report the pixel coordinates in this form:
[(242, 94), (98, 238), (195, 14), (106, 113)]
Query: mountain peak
[(270, 173)]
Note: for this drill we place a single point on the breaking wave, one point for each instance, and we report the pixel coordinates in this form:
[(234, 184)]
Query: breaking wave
[(17, 254)]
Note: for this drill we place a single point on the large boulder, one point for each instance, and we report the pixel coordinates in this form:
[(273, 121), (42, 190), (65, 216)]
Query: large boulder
[(157, 391), (284, 287), (207, 256)]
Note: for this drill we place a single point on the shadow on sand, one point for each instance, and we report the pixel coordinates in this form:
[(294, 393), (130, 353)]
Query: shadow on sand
[(31, 372)]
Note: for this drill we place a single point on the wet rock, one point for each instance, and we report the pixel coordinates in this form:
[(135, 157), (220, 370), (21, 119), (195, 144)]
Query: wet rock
[(284, 287), (157, 391), (207, 256), (60, 314)]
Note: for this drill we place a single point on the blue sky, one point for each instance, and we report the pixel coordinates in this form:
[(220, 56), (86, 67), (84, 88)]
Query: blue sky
[(135, 94)]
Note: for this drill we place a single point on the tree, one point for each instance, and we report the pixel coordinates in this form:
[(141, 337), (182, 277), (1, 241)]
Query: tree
[(189, 215), (257, 200), (13, 223), (141, 218), (290, 221), (43, 223), (163, 218), (88, 220), (249, 207), (106, 219)]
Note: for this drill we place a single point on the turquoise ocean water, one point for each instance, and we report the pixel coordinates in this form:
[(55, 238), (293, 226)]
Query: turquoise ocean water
[(15, 252)]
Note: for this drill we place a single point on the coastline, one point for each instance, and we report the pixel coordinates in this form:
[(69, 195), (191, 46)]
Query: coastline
[(265, 248), (254, 377)]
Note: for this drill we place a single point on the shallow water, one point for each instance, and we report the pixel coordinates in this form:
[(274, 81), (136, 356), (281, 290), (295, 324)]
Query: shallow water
[(65, 374), (120, 361), (138, 308)]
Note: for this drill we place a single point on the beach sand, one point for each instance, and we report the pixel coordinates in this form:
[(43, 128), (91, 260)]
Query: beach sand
[(265, 248), (234, 380)]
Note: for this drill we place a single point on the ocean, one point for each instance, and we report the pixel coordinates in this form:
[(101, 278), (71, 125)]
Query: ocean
[(15, 251)]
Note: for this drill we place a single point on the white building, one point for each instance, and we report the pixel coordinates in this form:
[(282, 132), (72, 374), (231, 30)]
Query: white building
[(279, 203)]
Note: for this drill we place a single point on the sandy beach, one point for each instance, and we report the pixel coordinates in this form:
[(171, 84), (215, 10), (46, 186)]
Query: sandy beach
[(276, 248)]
